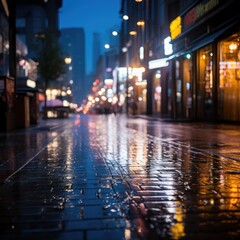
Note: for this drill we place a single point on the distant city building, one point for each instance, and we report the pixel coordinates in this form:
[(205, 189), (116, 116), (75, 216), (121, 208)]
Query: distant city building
[(73, 42), (96, 50)]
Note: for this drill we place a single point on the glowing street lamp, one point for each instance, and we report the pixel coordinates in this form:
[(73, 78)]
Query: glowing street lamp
[(68, 60), (140, 23), (107, 46), (114, 33), (132, 33)]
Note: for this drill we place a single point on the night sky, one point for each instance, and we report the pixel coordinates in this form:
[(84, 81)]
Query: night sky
[(92, 15)]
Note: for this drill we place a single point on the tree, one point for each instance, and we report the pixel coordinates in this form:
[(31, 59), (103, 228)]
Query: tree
[(50, 58)]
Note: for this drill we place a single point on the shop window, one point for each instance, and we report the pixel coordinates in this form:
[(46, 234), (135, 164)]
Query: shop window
[(229, 78)]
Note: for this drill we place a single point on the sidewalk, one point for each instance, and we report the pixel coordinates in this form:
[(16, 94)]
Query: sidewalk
[(20, 146), (112, 178)]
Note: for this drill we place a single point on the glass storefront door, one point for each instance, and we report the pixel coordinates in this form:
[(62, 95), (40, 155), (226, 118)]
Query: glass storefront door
[(229, 79), (205, 84)]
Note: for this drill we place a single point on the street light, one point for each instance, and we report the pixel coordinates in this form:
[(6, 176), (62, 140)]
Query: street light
[(68, 60)]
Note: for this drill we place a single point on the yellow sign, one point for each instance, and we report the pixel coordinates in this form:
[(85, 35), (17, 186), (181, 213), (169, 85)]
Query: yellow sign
[(176, 27)]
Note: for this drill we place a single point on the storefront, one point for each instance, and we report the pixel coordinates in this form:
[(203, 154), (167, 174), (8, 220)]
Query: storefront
[(161, 87), (205, 63)]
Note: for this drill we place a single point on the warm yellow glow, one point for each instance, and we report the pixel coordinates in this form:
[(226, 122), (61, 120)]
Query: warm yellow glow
[(176, 27), (140, 23), (48, 92), (68, 60), (132, 33), (138, 0), (90, 98), (54, 92), (104, 98), (233, 46)]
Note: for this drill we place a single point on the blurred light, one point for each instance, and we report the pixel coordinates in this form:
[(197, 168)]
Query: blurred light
[(158, 74), (107, 46), (64, 93), (65, 103), (30, 83), (90, 98), (124, 49), (125, 17), (104, 98), (71, 81), (114, 33), (138, 1), (140, 23), (188, 56), (132, 33), (68, 60), (54, 92), (233, 46), (22, 62), (158, 89), (141, 53), (109, 92), (108, 82)]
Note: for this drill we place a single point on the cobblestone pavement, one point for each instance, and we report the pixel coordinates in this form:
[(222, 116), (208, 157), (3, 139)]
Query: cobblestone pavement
[(112, 177)]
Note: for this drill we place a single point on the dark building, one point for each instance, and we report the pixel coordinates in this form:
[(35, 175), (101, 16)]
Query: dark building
[(33, 17), (7, 65), (33, 20), (73, 42)]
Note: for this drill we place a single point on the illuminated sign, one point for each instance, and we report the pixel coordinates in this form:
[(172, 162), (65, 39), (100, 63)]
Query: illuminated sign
[(176, 27), (159, 63), (168, 50), (199, 11)]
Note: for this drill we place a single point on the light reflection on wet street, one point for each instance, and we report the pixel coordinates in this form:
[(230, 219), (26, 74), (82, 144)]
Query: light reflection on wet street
[(110, 177)]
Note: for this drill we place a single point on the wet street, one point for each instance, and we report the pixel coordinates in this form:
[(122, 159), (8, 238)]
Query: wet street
[(116, 178)]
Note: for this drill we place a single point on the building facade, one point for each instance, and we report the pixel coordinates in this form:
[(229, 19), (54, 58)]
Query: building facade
[(205, 67), (7, 66), (189, 50)]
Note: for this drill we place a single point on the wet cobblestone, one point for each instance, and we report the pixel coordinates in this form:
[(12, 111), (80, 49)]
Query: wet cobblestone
[(115, 178)]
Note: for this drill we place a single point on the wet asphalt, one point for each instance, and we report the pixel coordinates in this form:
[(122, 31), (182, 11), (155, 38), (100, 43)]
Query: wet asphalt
[(112, 177)]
